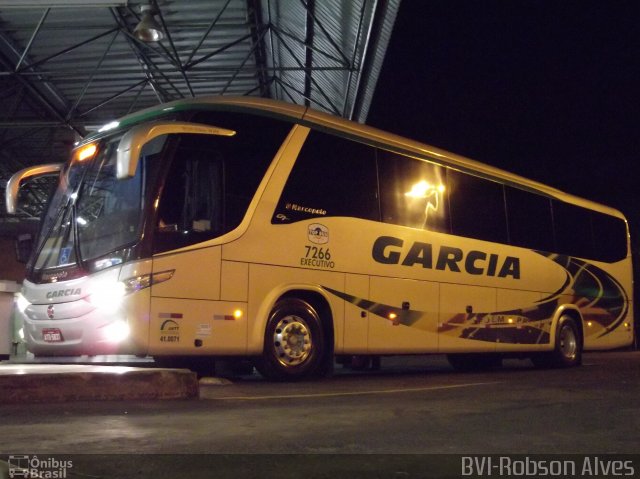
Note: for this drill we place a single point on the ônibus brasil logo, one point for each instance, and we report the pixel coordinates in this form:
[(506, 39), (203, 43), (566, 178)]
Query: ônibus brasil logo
[(32, 467)]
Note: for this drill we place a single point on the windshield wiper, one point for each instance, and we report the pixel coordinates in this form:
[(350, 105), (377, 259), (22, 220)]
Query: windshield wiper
[(74, 227)]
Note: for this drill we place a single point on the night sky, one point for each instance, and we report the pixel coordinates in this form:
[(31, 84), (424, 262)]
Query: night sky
[(546, 89)]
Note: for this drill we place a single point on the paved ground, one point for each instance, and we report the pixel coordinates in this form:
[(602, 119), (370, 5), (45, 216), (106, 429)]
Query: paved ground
[(48, 383), (412, 406)]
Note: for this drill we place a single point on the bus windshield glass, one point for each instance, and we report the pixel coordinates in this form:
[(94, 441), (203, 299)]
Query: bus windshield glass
[(92, 213), (108, 210)]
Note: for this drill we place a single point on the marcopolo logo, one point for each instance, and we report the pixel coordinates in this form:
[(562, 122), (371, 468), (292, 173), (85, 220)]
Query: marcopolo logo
[(318, 234), (38, 467)]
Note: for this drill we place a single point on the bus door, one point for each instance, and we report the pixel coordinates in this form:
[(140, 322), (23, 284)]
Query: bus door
[(185, 280), (191, 212)]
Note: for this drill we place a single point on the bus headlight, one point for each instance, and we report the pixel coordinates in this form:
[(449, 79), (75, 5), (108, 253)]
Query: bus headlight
[(116, 331), (107, 296)]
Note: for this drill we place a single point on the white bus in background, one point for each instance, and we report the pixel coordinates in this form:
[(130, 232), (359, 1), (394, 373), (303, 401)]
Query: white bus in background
[(244, 227)]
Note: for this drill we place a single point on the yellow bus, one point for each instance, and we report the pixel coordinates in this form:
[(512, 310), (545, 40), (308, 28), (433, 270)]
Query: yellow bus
[(246, 227)]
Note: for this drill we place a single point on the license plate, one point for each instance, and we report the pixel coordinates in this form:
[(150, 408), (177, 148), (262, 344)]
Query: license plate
[(52, 335)]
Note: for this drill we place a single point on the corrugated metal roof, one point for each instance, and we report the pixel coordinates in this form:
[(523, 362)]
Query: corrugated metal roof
[(66, 70)]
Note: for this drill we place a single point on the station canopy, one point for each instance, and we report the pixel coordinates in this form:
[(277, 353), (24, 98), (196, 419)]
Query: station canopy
[(68, 67)]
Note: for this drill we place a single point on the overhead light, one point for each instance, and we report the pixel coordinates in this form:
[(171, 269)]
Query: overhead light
[(148, 30)]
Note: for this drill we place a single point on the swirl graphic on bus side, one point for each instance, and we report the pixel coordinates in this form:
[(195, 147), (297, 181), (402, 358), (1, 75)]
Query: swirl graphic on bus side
[(599, 296), (602, 301)]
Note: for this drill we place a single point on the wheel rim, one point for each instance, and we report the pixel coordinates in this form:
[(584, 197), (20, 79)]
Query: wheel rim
[(292, 341), (568, 342)]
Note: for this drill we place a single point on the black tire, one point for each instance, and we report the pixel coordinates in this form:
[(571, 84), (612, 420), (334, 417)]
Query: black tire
[(568, 347), (475, 361), (294, 344)]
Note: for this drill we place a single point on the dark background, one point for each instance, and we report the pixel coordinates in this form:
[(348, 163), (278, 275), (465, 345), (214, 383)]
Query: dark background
[(546, 89)]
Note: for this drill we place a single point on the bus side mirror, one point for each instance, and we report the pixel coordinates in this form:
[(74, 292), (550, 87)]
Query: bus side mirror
[(24, 246), (13, 185), (132, 141)]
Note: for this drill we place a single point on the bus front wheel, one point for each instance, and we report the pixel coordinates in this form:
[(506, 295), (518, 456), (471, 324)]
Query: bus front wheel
[(568, 349), (293, 342)]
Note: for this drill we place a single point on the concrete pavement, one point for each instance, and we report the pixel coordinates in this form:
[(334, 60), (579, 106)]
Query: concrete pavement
[(38, 383)]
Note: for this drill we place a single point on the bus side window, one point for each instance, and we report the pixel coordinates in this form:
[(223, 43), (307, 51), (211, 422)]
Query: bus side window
[(530, 220), (169, 211), (331, 177), (477, 207), (413, 192), (574, 236), (610, 237), (190, 208)]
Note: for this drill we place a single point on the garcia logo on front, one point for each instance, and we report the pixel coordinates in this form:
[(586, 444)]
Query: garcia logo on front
[(64, 292), (35, 467)]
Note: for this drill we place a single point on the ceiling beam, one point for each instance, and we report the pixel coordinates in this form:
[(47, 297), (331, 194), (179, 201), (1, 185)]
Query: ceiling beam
[(258, 35), (310, 7), (40, 97)]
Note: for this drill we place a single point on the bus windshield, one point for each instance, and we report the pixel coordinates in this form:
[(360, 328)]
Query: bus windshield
[(92, 213), (108, 211)]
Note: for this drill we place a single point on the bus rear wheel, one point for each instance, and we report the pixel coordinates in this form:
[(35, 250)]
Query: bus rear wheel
[(293, 342), (568, 349)]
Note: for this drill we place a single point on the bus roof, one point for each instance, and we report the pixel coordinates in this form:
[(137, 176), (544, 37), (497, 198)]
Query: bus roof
[(350, 129)]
